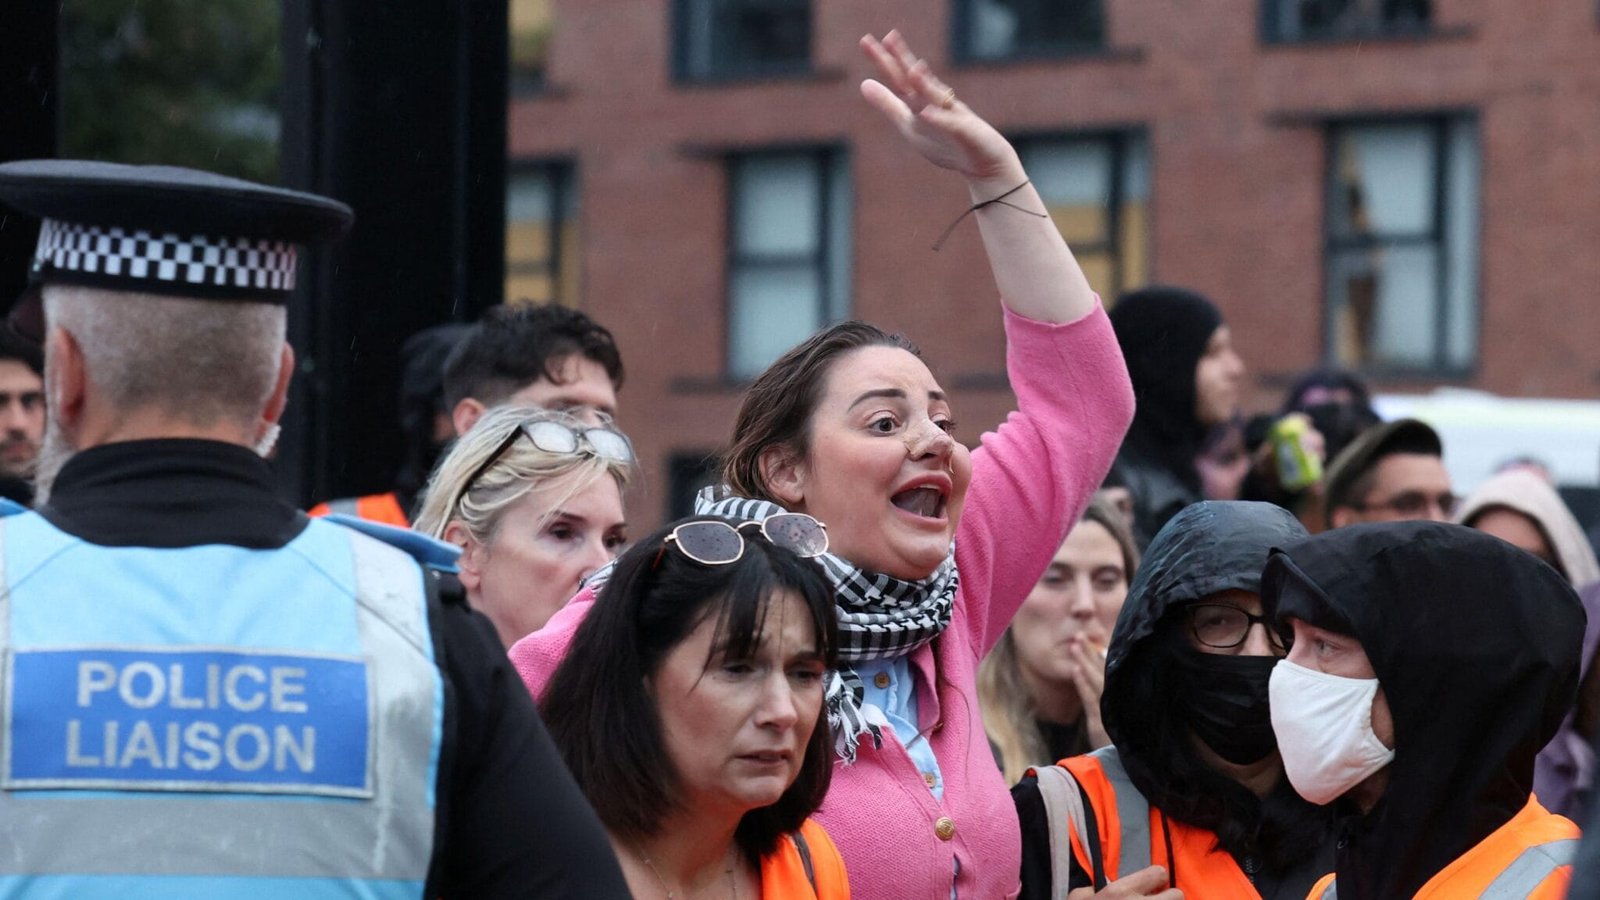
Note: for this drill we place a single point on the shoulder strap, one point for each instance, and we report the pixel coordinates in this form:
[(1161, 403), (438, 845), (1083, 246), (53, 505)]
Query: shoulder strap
[(1133, 812), (1064, 804), (805, 857)]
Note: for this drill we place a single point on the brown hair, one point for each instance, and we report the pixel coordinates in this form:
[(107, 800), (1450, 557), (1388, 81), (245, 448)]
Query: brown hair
[(776, 410), (1003, 698)]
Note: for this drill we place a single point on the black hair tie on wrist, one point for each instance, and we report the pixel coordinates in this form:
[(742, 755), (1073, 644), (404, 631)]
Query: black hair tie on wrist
[(977, 206)]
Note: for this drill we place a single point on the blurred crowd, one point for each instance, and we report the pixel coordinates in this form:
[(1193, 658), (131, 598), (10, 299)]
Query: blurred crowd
[(1131, 643)]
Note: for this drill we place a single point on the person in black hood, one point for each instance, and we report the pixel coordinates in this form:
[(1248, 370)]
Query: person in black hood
[(1185, 705), (1430, 662), (1186, 379)]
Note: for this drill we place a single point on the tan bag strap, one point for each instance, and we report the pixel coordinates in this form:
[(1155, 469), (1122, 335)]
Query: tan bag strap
[(1063, 804)]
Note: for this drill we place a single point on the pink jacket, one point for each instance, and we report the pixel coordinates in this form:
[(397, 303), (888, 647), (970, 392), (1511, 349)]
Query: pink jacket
[(1031, 479)]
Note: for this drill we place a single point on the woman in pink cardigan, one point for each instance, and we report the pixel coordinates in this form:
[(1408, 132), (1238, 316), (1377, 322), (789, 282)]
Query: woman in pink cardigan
[(933, 547)]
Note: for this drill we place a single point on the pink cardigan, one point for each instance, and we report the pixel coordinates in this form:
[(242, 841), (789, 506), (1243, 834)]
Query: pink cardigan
[(1031, 479)]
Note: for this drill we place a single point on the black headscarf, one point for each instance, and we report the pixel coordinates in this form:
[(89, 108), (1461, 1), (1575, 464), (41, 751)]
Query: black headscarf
[(1476, 645), (1208, 548), (1163, 332)]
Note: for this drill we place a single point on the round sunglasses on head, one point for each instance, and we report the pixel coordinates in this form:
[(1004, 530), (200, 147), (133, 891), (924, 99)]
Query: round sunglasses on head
[(554, 437), (721, 544)]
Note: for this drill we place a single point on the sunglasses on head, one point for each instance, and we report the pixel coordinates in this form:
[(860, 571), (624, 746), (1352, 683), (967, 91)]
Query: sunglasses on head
[(554, 437), (722, 544)]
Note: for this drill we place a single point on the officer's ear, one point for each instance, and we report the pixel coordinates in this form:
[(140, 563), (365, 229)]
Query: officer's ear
[(470, 563), (280, 390), (64, 379)]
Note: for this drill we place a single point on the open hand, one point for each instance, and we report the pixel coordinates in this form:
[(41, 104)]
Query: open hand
[(930, 117)]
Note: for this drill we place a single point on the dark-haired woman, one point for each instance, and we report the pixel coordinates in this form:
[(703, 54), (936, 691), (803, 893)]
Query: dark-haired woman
[(690, 711), (1193, 783), (934, 546)]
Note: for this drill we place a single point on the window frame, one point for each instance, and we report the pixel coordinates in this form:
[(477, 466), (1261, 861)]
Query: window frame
[(743, 70), (961, 51), (1439, 126), (1120, 140), (563, 176), (1270, 34), (831, 160)]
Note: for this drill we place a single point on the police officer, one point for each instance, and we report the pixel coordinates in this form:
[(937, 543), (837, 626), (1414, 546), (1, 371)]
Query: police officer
[(209, 694)]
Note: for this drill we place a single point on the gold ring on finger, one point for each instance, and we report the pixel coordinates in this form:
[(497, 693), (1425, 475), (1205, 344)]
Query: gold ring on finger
[(948, 98)]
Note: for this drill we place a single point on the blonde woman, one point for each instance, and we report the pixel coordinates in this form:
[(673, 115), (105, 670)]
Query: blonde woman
[(533, 498), (1040, 686)]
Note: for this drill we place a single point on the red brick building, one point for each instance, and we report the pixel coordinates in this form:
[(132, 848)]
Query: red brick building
[(1409, 187)]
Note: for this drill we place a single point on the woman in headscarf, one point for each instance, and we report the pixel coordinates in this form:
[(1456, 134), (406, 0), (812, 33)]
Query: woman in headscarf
[(1193, 782), (934, 546), (1187, 379), (1522, 508)]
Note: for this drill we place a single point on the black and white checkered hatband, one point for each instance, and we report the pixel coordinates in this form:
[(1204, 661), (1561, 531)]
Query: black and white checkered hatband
[(131, 260)]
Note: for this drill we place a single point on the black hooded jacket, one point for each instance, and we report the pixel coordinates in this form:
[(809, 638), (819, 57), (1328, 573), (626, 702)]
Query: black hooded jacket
[(1476, 645), (1207, 549), (1163, 333)]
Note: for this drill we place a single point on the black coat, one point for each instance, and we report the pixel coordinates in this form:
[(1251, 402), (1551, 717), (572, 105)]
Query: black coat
[(1476, 645), (1206, 549)]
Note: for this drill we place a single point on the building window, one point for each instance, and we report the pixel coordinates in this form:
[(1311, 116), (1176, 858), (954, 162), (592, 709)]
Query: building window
[(530, 25), (1402, 244), (1314, 20), (789, 252), (542, 234), (718, 39), (1098, 191), (1020, 29)]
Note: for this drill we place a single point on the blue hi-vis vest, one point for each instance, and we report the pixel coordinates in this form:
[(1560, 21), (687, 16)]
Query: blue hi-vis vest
[(215, 721)]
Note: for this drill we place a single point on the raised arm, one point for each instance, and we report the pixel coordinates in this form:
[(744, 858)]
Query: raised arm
[(1037, 275)]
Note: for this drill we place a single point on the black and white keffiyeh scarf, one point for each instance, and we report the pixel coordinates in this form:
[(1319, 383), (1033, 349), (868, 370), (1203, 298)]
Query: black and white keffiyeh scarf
[(880, 617)]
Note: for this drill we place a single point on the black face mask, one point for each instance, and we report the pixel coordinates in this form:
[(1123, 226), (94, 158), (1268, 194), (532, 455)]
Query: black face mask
[(1224, 701)]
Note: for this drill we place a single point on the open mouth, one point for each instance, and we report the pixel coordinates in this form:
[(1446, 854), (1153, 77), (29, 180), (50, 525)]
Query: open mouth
[(926, 501)]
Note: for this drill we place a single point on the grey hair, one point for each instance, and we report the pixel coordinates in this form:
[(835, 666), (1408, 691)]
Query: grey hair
[(199, 361), (522, 469)]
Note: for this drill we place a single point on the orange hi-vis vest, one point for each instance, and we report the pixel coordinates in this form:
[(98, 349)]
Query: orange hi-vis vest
[(806, 866), (383, 508), (1529, 856), (1133, 835)]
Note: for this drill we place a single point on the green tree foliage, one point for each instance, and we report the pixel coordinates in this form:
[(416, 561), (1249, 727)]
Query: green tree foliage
[(177, 82)]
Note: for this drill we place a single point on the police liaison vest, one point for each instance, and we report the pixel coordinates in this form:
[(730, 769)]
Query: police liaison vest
[(215, 721), (1528, 857), (1133, 835)]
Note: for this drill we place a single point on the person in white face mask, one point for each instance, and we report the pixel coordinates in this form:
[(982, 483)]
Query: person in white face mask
[(1428, 664)]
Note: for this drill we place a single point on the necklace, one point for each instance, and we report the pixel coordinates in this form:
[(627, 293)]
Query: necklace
[(733, 883)]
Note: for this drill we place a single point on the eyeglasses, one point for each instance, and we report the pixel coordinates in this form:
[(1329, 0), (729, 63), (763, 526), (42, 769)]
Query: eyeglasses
[(1223, 627), (1416, 504), (554, 437), (721, 544)]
